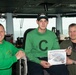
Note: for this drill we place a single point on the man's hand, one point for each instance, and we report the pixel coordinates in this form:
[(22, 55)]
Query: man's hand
[(69, 61), (68, 51), (45, 64), (20, 54)]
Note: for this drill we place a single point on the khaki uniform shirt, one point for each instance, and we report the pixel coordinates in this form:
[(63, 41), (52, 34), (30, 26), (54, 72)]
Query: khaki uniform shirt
[(65, 44)]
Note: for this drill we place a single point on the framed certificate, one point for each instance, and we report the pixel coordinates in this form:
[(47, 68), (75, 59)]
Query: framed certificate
[(57, 57)]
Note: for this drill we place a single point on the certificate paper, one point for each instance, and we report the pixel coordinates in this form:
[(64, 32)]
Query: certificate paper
[(57, 57)]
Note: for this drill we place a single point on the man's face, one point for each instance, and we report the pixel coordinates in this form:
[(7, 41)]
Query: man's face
[(42, 24), (2, 34), (72, 32)]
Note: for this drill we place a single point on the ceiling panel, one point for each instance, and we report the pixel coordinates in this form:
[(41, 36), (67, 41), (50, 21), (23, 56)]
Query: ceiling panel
[(38, 6)]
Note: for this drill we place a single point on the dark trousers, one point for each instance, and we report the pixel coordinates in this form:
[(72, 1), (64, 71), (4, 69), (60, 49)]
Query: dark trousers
[(37, 69)]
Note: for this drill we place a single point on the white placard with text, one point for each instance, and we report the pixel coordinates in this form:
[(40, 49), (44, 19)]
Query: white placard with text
[(57, 57)]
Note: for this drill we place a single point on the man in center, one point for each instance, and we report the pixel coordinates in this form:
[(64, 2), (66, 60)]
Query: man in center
[(38, 42)]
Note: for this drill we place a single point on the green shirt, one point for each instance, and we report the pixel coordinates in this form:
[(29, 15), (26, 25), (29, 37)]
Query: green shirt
[(7, 57), (37, 44)]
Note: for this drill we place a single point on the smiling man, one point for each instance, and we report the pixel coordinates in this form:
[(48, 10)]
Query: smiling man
[(38, 42), (9, 54), (71, 43)]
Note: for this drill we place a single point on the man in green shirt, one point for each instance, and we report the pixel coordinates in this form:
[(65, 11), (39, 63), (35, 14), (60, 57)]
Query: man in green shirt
[(38, 42), (9, 54)]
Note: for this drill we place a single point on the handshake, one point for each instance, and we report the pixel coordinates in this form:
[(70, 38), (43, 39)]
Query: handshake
[(20, 54)]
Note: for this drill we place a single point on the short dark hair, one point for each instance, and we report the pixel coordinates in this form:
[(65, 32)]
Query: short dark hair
[(72, 25)]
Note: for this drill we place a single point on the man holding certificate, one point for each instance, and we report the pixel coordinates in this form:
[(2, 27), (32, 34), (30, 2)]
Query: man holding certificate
[(38, 43)]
